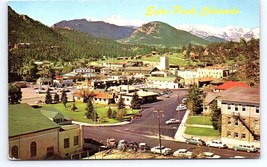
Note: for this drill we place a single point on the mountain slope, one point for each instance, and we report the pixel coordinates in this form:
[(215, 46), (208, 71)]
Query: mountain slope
[(229, 33), (159, 33), (215, 39), (98, 29)]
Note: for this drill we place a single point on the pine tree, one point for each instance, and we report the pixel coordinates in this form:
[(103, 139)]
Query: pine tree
[(216, 116), (109, 113), (48, 97), (89, 109), (136, 102), (14, 94), (64, 98), (56, 98), (120, 103), (121, 114), (194, 99)]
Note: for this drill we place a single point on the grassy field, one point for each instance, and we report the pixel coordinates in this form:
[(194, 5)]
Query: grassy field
[(201, 131), (78, 115), (201, 120)]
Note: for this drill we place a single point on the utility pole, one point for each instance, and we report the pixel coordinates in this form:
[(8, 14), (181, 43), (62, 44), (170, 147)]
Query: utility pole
[(158, 116)]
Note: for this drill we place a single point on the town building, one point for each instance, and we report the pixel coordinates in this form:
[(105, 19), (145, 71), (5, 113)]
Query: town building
[(36, 135), (228, 85), (84, 70), (240, 109), (103, 98), (164, 63), (190, 77), (213, 71), (27, 130), (163, 82)]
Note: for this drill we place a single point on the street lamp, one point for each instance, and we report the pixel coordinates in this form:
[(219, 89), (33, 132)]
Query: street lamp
[(158, 116)]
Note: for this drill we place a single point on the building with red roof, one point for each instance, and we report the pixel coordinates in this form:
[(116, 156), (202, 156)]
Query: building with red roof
[(228, 85)]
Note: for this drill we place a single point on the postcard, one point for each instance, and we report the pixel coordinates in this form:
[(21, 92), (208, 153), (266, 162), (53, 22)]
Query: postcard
[(133, 79)]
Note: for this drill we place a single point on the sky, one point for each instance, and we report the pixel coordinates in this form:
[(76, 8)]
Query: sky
[(133, 12)]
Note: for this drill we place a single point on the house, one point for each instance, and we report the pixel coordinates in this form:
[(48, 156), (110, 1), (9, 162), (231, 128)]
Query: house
[(31, 135), (240, 109), (163, 82), (84, 70), (228, 85), (139, 70), (145, 97), (103, 98), (122, 89)]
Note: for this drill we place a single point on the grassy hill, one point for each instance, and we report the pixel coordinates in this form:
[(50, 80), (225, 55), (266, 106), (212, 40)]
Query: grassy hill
[(162, 34)]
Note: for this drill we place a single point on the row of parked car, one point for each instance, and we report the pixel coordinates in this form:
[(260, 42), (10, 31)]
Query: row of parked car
[(220, 144)]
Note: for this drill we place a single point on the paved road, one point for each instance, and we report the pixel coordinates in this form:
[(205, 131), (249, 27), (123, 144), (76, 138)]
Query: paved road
[(146, 129)]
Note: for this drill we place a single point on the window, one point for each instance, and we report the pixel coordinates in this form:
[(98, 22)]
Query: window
[(33, 149), (243, 136), (228, 120), (236, 107), (236, 135), (66, 143), (228, 134), (229, 107), (76, 140), (15, 152), (257, 110), (243, 108), (236, 121)]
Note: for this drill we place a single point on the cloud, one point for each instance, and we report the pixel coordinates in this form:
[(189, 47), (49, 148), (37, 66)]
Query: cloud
[(119, 20)]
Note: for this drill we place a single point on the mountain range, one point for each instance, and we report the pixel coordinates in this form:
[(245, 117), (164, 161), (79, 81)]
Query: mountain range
[(229, 33), (159, 33), (99, 29)]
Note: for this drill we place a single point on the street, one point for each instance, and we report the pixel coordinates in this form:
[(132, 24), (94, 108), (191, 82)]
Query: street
[(146, 129)]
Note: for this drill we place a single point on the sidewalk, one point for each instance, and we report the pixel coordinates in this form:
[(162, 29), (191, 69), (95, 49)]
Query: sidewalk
[(179, 135), (114, 124)]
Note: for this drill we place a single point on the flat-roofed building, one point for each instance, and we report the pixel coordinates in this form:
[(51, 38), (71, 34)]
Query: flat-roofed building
[(163, 82), (240, 109)]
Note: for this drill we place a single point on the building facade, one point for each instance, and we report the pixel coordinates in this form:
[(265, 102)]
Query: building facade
[(241, 116)]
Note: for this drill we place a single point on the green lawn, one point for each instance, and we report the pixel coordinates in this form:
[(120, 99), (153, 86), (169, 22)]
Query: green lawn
[(201, 131), (78, 115), (201, 120)]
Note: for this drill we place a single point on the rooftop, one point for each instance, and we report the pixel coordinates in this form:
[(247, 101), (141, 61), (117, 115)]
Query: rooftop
[(170, 79), (23, 119), (103, 95), (231, 84), (242, 95)]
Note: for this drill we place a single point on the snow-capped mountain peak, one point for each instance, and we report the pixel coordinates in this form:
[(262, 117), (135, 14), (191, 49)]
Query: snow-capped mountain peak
[(229, 33)]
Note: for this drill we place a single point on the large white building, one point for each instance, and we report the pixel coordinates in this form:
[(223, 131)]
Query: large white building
[(164, 63)]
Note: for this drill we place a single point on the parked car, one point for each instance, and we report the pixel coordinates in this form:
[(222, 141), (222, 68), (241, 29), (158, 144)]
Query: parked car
[(143, 147), (210, 155), (196, 141), (111, 143), (216, 143), (122, 145), (243, 147), (184, 100), (164, 150), (172, 121), (183, 153), (181, 107), (238, 157)]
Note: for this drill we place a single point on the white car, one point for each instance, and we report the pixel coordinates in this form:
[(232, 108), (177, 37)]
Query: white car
[(183, 153), (172, 121), (164, 150), (210, 155), (181, 107), (216, 143)]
